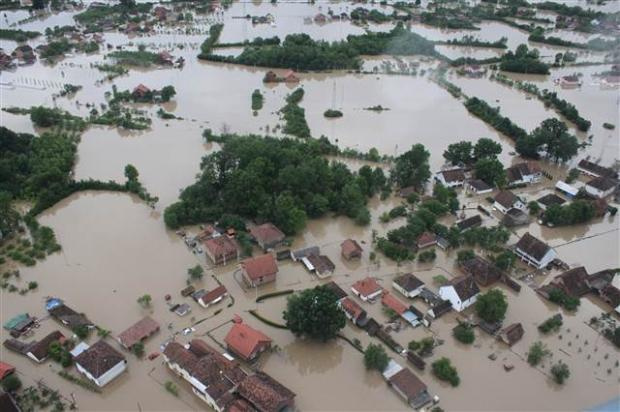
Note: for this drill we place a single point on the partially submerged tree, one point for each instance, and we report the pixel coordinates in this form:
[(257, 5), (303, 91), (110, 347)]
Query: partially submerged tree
[(375, 357), (491, 306), (314, 313)]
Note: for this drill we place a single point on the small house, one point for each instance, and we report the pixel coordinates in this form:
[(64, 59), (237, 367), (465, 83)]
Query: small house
[(451, 178), (245, 341), (469, 223), (473, 71), (270, 77), (213, 297), (462, 292), (611, 295), (141, 92), (221, 249), (484, 272), (426, 239), (566, 189), (182, 309), (19, 324), (161, 13), (477, 186), (353, 311), (573, 282), (302, 253), (511, 334), (549, 200), (534, 252), (407, 385), (595, 170), (101, 363), (400, 309), (290, 77), (570, 81), (67, 316), (367, 289), (165, 58), (38, 351), (138, 332), (350, 249), (267, 235), (408, 285), (259, 270), (523, 173), (439, 309), (601, 187), (188, 291), (515, 217), (321, 265), (505, 200)]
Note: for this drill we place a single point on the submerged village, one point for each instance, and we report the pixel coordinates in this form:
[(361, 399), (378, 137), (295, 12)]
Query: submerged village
[(309, 205)]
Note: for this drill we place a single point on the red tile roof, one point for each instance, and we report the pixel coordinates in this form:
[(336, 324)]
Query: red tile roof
[(391, 302), (366, 286), (260, 266), (141, 89), (5, 369), (350, 248), (214, 294), (265, 393), (351, 307), (267, 233), (138, 331), (221, 246), (244, 339)]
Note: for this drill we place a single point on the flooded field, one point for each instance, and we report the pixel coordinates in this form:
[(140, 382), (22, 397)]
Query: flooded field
[(115, 248)]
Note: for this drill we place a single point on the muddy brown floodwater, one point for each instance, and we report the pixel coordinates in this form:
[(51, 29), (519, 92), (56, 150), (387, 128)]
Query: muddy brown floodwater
[(116, 248)]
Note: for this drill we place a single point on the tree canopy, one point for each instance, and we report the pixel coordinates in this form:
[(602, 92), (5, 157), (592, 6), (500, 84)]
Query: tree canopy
[(284, 181), (375, 357), (411, 168), (314, 313), (491, 306)]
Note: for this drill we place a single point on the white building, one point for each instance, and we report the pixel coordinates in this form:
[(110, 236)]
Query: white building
[(101, 363), (601, 187), (524, 173), (477, 186), (367, 289), (534, 252), (451, 177), (506, 200), (566, 189), (462, 292), (408, 285)]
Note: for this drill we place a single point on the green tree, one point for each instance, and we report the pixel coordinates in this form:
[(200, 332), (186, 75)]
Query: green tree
[(553, 136), (375, 357), (196, 272), (534, 207), (145, 300), (537, 352), (560, 372), (412, 168), (492, 305), (11, 383), (167, 92), (505, 260), (465, 255), (487, 149), (314, 313), (443, 370), (81, 331), (131, 173), (287, 216), (138, 349), (491, 171), (464, 333), (460, 152)]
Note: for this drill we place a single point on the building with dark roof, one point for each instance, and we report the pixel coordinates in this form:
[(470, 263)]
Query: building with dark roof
[(451, 178), (470, 222), (601, 187), (526, 172), (595, 170), (350, 249), (7, 403), (483, 271), (515, 217), (338, 291), (138, 332), (511, 334), (408, 285), (38, 351), (462, 292), (506, 200), (534, 252), (573, 282), (101, 363), (406, 384), (477, 186), (321, 265), (549, 200)]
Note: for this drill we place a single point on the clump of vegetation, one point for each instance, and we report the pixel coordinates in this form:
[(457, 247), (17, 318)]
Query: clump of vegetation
[(84, 383), (138, 349), (145, 300), (491, 306), (60, 354), (331, 113), (196, 272), (464, 333), (609, 126), (257, 100), (11, 383), (172, 388), (46, 117), (443, 370), (553, 324), (295, 116), (207, 45), (537, 352), (375, 357), (427, 256), (424, 347), (560, 372), (314, 313), (18, 35), (523, 60), (140, 58), (578, 211), (558, 296), (301, 184)]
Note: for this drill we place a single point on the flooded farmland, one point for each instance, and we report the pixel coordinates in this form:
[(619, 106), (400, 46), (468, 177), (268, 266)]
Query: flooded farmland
[(116, 248)]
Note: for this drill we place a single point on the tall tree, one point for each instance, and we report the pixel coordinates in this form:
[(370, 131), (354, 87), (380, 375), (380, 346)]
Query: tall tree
[(491, 171), (492, 306), (411, 168), (460, 152), (314, 313), (486, 148)]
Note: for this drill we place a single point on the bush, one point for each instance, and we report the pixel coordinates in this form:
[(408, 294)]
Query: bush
[(444, 371), (172, 388), (537, 352), (560, 372), (552, 324), (464, 333), (138, 349), (330, 113), (558, 297), (427, 256), (492, 306), (11, 383), (375, 357)]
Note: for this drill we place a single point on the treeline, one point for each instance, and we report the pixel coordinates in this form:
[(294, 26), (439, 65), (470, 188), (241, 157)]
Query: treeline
[(301, 52), (214, 34), (523, 60), (285, 181), (121, 13), (18, 35), (492, 117), (295, 123), (258, 41), (569, 11), (538, 36), (474, 42), (140, 58)]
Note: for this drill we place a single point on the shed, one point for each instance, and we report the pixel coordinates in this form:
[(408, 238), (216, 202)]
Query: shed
[(511, 334), (138, 332), (350, 249)]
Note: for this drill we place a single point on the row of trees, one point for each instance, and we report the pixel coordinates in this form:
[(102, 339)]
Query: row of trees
[(285, 181), (523, 60)]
